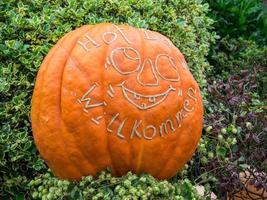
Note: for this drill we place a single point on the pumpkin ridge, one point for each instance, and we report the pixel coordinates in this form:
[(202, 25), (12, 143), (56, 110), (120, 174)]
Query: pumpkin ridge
[(48, 57), (193, 147), (60, 91), (41, 92), (59, 100), (42, 89), (114, 171), (79, 66), (62, 141), (76, 65), (170, 158), (140, 154), (40, 101)]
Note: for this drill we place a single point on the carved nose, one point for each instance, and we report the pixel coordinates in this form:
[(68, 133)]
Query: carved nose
[(147, 75)]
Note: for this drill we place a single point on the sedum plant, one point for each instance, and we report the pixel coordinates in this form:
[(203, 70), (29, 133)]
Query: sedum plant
[(130, 186)]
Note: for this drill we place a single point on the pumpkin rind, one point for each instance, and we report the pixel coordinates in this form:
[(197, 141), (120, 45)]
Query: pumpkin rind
[(115, 96)]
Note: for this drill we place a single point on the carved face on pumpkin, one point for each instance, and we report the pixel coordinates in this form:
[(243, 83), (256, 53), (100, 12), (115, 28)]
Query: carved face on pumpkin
[(119, 97), (148, 73)]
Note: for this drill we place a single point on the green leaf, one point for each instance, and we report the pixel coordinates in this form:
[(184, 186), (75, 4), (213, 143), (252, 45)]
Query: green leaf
[(20, 197), (180, 22), (221, 151), (75, 193)]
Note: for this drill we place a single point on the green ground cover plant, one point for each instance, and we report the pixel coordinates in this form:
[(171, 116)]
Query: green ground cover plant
[(107, 187)]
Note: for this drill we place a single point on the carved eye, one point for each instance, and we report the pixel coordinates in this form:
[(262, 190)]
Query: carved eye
[(166, 68), (125, 60)]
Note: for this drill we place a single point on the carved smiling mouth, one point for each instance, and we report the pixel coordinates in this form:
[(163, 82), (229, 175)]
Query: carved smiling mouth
[(142, 101)]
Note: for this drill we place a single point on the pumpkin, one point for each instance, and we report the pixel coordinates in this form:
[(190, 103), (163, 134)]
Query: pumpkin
[(118, 97)]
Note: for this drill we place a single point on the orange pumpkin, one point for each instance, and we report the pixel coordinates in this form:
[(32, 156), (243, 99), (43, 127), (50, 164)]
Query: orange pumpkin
[(115, 96)]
